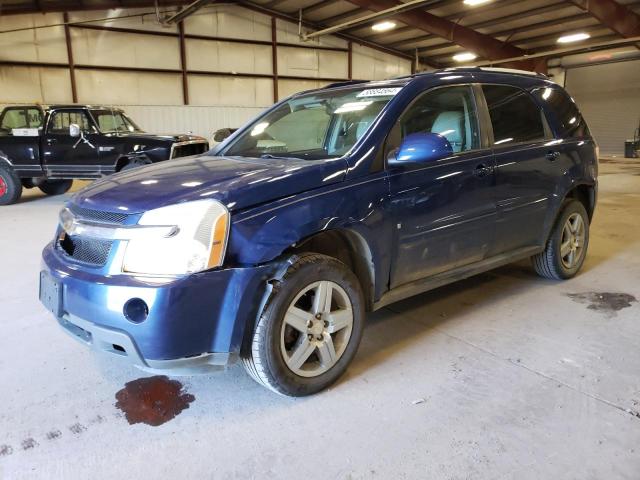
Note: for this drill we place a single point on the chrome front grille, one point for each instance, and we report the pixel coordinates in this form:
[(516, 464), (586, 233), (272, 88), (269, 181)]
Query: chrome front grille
[(98, 215), (188, 148), (91, 251), (87, 250)]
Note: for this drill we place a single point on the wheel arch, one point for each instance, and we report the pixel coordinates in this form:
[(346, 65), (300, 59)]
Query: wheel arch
[(586, 194), (127, 159), (348, 246)]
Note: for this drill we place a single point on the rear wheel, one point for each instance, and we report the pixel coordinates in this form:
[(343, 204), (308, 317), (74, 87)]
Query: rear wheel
[(10, 186), (566, 248), (55, 187), (310, 329)]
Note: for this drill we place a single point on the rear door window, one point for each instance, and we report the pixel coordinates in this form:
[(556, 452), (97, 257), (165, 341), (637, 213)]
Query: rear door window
[(562, 106), (515, 117)]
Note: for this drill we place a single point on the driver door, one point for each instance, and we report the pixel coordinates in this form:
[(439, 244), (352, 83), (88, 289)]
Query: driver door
[(443, 211), (67, 155)]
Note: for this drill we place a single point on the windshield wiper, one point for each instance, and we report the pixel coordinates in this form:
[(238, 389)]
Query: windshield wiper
[(269, 155)]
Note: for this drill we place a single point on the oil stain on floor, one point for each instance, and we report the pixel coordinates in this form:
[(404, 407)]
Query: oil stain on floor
[(152, 400), (606, 302)]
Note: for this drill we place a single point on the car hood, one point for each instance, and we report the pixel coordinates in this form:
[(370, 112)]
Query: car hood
[(238, 182), (179, 137)]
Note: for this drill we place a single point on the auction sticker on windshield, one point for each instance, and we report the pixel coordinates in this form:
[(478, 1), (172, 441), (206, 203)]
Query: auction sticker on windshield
[(378, 92)]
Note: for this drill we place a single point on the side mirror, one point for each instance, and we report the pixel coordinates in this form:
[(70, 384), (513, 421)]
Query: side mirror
[(421, 148), (74, 130), (221, 134)]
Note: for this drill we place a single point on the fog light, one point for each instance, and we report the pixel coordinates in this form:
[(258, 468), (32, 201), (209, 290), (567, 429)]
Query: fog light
[(136, 310)]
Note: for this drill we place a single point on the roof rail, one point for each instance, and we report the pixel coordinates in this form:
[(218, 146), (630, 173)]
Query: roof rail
[(346, 82), (476, 69)]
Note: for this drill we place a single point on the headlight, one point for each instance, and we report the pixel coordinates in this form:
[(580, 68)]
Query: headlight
[(198, 241)]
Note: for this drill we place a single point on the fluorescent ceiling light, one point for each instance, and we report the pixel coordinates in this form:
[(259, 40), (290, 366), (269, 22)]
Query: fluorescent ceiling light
[(383, 26), (473, 3), (574, 37), (465, 57)]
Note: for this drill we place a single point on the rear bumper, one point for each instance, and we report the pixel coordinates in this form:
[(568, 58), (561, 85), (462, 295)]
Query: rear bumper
[(195, 323)]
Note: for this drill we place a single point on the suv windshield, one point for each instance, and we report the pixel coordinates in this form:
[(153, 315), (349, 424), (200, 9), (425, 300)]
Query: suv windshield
[(316, 126), (114, 121)]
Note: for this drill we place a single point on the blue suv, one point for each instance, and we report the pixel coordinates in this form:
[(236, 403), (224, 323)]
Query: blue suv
[(335, 202)]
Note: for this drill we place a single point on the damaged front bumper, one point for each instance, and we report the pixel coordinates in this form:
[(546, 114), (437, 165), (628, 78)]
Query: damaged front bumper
[(193, 324)]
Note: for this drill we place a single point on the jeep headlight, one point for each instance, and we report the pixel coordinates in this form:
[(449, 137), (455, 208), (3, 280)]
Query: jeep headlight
[(197, 242)]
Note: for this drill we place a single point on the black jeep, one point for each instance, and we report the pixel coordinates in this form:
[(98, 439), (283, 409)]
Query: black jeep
[(49, 147)]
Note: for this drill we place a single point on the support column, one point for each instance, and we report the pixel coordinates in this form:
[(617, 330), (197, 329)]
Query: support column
[(72, 70), (183, 65), (274, 57), (350, 60)]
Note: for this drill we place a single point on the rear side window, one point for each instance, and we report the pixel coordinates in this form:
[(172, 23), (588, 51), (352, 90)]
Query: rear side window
[(567, 115), (514, 115), (21, 118)]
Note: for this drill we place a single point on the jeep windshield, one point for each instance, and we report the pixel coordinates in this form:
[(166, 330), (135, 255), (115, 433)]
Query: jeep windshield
[(114, 121), (315, 126)]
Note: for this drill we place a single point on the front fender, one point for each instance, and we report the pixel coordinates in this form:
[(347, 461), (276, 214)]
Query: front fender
[(263, 234)]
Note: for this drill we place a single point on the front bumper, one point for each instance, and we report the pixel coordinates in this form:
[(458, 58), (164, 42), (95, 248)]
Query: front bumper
[(195, 323)]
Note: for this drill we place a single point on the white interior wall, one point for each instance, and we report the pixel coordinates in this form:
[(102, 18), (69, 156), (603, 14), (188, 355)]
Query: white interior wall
[(370, 64), (155, 100)]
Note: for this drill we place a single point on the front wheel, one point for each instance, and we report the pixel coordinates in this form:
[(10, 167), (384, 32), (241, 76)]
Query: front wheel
[(310, 329), (55, 187), (10, 186), (566, 248)]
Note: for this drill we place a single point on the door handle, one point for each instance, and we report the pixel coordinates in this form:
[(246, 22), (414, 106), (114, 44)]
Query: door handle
[(552, 156), (482, 170)]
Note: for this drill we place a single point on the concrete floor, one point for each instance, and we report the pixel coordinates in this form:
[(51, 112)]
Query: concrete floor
[(500, 376)]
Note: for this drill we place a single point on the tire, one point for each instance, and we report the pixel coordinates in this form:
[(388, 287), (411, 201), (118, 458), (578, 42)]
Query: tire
[(10, 186), (55, 187), (554, 262), (274, 345)]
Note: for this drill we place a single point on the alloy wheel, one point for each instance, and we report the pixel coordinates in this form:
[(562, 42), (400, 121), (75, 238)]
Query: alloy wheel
[(316, 328), (572, 241)]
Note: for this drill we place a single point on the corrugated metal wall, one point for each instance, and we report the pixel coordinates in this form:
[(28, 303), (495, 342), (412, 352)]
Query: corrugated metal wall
[(155, 99), (609, 97)]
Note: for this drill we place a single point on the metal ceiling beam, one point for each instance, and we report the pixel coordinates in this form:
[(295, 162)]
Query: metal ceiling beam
[(619, 18), (559, 52), (341, 16), (294, 19), (527, 28), (318, 6), (482, 45), (513, 31), (489, 23), (457, 16), (385, 13), (75, 7), (273, 3), (187, 11)]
